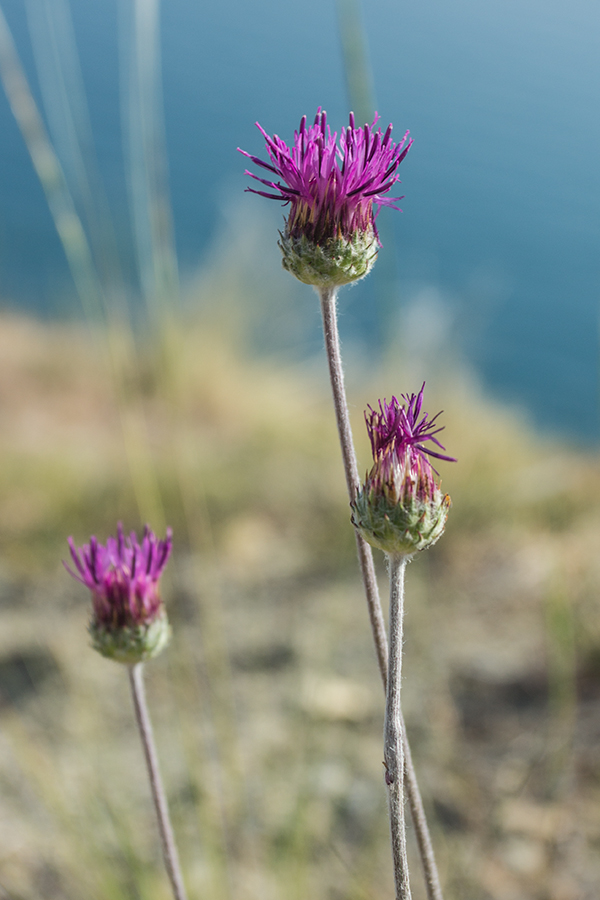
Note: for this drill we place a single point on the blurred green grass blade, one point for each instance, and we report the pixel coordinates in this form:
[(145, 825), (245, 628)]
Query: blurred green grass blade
[(357, 68), (65, 105), (143, 128), (48, 168)]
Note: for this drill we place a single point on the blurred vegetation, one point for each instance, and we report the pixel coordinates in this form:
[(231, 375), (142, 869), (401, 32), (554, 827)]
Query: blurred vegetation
[(267, 706)]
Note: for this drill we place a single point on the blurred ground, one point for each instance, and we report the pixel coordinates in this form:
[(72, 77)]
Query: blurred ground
[(267, 706)]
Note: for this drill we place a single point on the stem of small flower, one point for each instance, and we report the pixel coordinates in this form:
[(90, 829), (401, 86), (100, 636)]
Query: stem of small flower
[(367, 567), (171, 857), (393, 750)]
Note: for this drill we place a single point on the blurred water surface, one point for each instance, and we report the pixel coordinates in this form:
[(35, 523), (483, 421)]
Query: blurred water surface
[(500, 220)]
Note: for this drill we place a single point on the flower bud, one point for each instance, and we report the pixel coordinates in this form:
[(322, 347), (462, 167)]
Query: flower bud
[(128, 623), (400, 508)]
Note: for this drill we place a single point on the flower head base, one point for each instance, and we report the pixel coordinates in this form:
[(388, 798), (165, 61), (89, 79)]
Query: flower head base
[(335, 191), (401, 509), (129, 623)]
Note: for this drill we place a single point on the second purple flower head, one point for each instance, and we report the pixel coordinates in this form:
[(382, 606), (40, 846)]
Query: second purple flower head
[(335, 190), (401, 508)]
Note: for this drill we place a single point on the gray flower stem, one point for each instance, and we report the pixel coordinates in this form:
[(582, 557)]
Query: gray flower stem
[(171, 858), (419, 820), (393, 750), (367, 567)]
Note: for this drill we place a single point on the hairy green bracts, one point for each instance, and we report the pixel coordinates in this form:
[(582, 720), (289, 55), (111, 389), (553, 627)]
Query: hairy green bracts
[(333, 262), (400, 528), (131, 644)]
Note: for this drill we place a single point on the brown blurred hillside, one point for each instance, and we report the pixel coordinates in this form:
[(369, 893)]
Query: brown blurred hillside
[(267, 706)]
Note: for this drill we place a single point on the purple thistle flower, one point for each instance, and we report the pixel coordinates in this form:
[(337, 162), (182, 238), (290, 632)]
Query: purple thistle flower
[(401, 508), (128, 617), (334, 190)]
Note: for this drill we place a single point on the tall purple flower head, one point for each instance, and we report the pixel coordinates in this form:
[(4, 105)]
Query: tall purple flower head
[(401, 507), (335, 190), (128, 621)]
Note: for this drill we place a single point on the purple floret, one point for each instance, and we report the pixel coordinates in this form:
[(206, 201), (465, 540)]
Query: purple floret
[(333, 190), (122, 576), (395, 430)]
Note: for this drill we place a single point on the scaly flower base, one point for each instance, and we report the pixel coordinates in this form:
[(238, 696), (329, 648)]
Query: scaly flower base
[(131, 644), (332, 263), (400, 529)]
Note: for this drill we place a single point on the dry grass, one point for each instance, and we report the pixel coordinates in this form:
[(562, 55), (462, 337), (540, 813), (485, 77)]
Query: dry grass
[(267, 706)]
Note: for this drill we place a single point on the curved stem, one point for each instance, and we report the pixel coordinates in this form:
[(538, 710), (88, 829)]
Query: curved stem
[(136, 680), (367, 567), (393, 749)]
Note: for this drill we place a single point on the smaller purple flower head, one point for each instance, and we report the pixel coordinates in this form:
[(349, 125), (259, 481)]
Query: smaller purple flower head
[(334, 190), (128, 622), (401, 507)]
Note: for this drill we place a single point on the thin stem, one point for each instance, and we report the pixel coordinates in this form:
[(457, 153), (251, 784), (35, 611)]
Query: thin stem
[(365, 556), (393, 750), (171, 858), (419, 819), (367, 568)]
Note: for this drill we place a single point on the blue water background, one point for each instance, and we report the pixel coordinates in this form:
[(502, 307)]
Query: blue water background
[(502, 186)]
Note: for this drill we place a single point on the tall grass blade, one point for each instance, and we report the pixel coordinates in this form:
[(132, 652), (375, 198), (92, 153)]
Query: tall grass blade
[(145, 151), (65, 105), (49, 170)]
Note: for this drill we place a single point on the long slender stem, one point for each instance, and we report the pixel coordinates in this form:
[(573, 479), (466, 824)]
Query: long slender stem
[(393, 750), (367, 568), (171, 857), (365, 556)]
